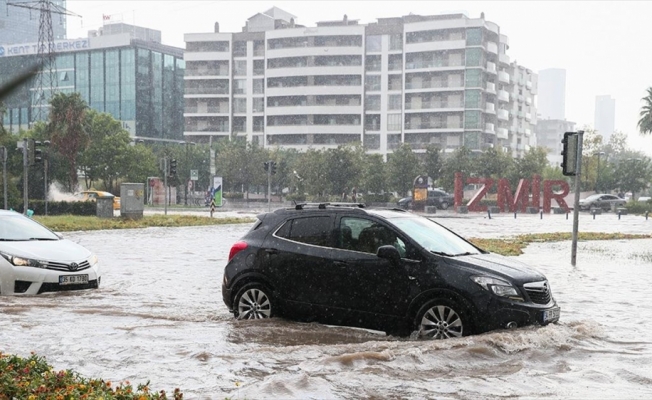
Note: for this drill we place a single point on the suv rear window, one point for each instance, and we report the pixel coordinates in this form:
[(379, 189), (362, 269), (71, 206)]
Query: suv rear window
[(309, 230)]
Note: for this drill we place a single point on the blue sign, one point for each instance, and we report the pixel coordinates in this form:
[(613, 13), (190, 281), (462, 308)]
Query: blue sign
[(2, 51)]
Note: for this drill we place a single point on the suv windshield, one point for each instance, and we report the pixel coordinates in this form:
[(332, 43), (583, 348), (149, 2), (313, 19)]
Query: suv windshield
[(434, 237)]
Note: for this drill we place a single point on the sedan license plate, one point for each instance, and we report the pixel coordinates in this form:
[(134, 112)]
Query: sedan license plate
[(73, 279), (551, 315)]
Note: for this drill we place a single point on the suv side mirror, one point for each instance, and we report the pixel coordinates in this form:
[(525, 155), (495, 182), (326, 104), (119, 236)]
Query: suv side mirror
[(390, 253)]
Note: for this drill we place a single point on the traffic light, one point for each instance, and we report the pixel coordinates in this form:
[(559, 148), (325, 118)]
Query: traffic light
[(38, 156), (34, 155), (173, 167), (273, 166), (266, 165), (569, 153)]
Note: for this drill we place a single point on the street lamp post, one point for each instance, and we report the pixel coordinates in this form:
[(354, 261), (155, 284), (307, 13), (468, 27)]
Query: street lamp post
[(185, 201), (597, 175)]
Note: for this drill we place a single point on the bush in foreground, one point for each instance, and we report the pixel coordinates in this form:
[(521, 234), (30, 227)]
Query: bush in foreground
[(33, 379)]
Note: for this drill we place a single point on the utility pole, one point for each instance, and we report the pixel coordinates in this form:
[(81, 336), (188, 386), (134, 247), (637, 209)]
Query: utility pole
[(3, 158), (46, 79), (165, 183)]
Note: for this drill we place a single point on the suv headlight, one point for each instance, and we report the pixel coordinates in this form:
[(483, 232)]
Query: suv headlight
[(22, 262), (498, 287)]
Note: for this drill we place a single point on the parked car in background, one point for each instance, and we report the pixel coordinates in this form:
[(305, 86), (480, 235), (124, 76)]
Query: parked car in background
[(388, 270), (602, 201), (35, 260), (436, 197), (92, 195)]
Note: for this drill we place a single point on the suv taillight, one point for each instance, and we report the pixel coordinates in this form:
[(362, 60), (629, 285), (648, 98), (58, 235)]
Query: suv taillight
[(236, 248)]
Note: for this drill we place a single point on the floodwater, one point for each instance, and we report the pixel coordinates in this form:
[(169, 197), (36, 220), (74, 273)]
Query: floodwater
[(159, 316)]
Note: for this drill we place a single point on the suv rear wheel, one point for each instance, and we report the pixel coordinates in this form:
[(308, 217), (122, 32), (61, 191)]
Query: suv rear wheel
[(444, 205), (253, 301), (442, 318)]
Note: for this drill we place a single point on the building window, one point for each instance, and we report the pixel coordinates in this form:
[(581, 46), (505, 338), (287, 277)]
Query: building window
[(240, 67), (239, 86), (472, 120), (474, 36), (374, 43), (395, 82), (393, 122), (372, 63), (259, 124), (394, 102), (473, 78), (372, 103), (396, 41), (258, 104), (240, 49), (259, 86), (395, 62), (259, 48), (240, 105), (372, 83), (259, 67), (474, 57), (472, 98)]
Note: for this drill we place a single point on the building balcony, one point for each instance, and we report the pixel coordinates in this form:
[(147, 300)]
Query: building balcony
[(503, 96), (503, 115), (429, 65), (411, 126), (491, 88), (436, 45), (503, 76), (528, 101), (314, 51), (528, 84), (502, 133), (490, 108), (434, 105), (304, 70), (527, 132), (314, 110), (437, 85), (520, 130), (312, 90), (491, 68), (528, 116), (520, 98), (489, 128), (504, 59), (313, 129), (492, 47)]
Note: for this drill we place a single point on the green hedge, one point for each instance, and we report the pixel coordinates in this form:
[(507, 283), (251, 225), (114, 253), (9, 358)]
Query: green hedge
[(637, 207), (61, 207)]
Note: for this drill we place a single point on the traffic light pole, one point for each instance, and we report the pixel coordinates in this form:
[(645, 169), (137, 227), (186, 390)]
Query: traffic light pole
[(165, 183), (45, 184), (25, 173), (576, 202), (269, 187)]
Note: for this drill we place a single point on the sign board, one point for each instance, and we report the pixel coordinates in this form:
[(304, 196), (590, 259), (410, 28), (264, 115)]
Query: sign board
[(194, 174), (217, 190), (32, 48), (212, 153)]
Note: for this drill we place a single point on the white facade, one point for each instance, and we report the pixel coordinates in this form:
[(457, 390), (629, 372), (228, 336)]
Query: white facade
[(441, 80), (552, 94), (605, 116), (550, 133)]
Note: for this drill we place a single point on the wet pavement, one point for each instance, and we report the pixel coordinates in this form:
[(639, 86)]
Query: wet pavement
[(159, 316)]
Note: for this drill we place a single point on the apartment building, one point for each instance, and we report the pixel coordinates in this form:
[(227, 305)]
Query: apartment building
[(443, 80), (550, 133)]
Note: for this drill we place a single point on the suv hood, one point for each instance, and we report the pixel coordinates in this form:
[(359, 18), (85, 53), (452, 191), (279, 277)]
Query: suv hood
[(500, 266)]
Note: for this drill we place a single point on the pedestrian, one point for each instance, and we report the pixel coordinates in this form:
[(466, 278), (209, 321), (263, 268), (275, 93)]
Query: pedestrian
[(354, 195), (344, 195)]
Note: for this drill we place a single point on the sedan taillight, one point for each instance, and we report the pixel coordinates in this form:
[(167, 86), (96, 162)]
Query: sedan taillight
[(236, 248)]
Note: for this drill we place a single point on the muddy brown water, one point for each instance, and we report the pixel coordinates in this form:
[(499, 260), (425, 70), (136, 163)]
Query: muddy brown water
[(159, 316)]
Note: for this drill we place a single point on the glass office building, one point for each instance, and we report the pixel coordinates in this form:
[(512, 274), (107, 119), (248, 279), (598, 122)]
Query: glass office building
[(138, 82)]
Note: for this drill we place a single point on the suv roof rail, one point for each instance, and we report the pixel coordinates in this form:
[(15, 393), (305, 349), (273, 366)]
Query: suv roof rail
[(322, 206)]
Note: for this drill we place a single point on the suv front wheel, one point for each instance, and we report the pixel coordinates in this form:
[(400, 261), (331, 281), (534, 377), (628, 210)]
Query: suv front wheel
[(442, 318), (253, 301)]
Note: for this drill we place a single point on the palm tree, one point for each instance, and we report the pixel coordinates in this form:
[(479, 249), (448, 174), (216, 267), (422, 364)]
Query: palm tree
[(645, 123)]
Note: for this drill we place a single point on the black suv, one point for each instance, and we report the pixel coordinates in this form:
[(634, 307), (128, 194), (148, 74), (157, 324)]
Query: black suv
[(382, 269), (436, 197)]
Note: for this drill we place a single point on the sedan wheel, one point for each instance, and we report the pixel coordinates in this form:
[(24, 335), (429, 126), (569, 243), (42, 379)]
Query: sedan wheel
[(444, 205), (253, 302), (440, 320)]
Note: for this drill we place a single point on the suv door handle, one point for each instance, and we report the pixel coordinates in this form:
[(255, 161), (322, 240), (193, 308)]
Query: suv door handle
[(340, 263), (271, 251)]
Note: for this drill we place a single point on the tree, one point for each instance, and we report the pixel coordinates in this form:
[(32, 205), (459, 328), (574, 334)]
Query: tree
[(312, 168), (344, 169), (432, 162), (66, 126), (645, 123), (374, 174), (633, 172), (402, 167), (460, 160), (495, 163), (534, 162), (3, 110)]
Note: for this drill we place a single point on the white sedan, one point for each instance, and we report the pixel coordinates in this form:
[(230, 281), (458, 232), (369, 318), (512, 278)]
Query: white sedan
[(34, 260)]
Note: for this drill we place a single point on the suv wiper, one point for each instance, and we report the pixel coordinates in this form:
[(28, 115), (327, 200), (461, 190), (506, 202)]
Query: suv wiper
[(468, 253), (441, 253), (41, 239)]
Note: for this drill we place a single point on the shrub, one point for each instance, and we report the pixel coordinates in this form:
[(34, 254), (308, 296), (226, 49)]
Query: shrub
[(61, 207), (638, 207), (233, 195), (32, 378)]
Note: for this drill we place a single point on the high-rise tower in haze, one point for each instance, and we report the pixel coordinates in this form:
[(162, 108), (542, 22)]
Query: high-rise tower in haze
[(20, 25), (552, 94), (605, 116)]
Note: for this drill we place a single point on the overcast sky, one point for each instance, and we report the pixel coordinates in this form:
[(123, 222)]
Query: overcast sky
[(603, 45)]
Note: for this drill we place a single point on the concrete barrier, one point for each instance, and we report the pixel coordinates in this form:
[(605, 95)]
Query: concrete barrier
[(431, 210), (462, 210)]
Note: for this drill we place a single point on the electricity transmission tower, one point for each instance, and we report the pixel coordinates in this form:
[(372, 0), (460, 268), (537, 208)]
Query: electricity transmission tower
[(46, 78)]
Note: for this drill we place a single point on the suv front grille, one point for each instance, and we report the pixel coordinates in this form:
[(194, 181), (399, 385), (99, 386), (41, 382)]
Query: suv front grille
[(538, 292), (57, 266)]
